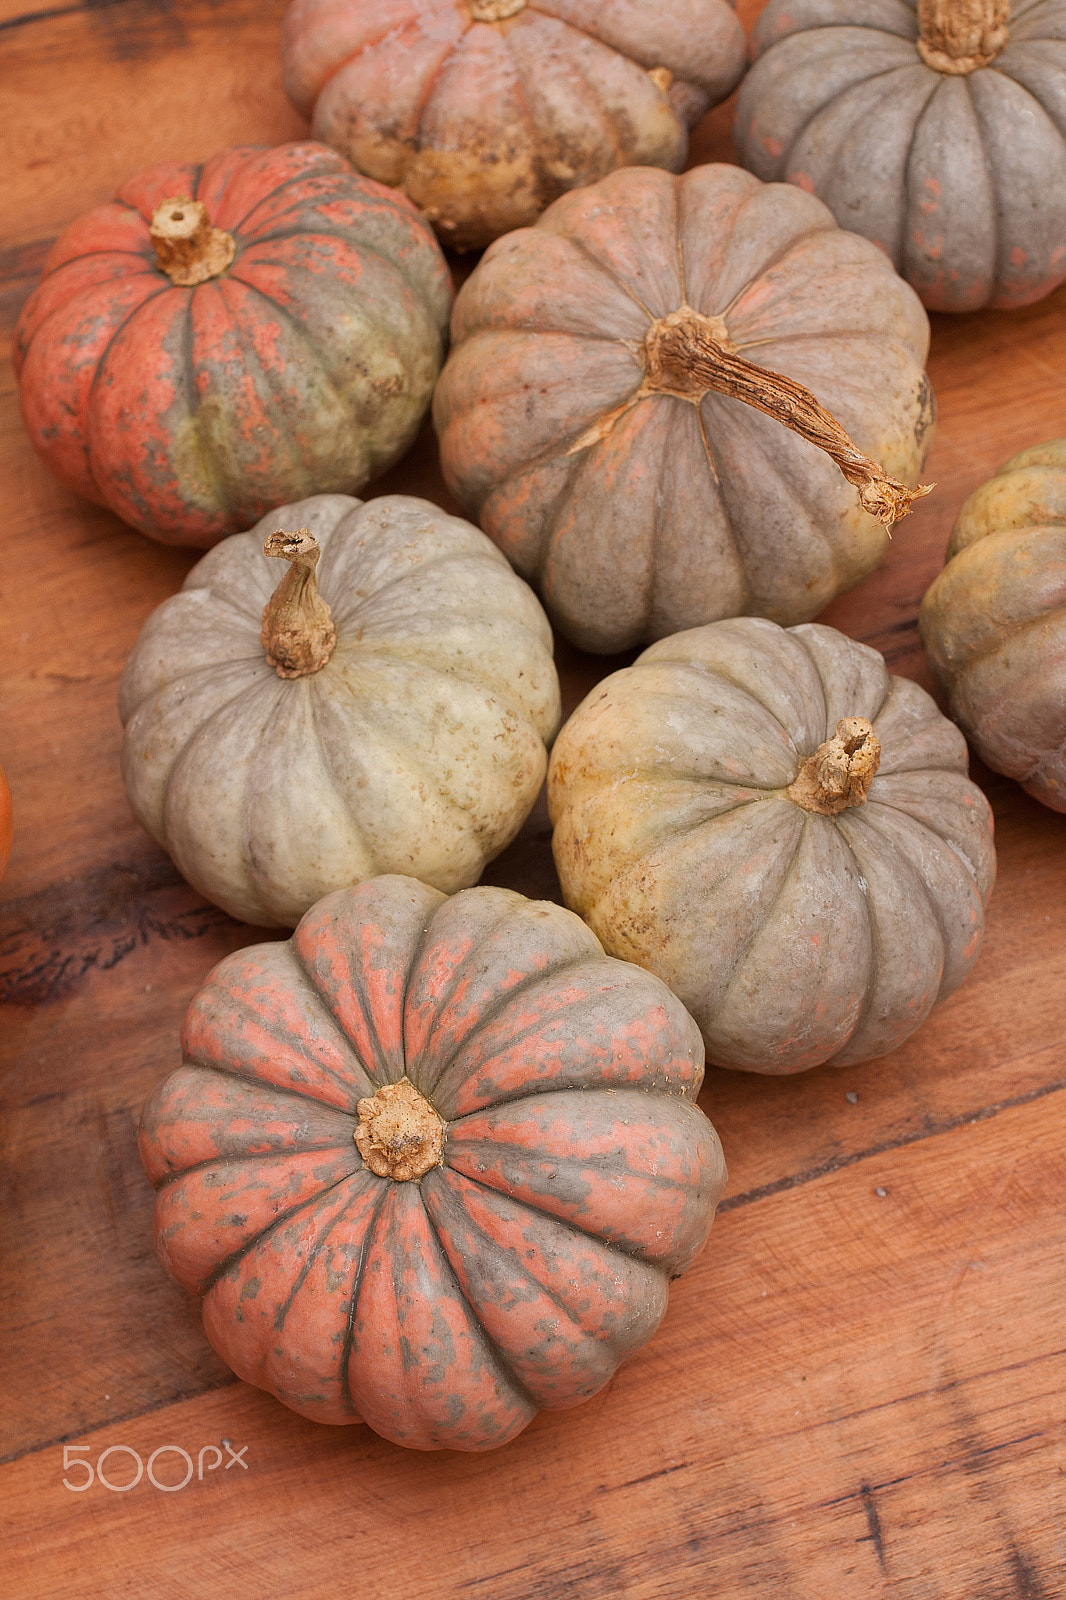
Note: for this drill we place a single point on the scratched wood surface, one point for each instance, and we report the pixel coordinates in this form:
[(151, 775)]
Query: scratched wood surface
[(857, 1391)]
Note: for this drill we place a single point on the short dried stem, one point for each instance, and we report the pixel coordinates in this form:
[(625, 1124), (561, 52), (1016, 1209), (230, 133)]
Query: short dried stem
[(187, 248), (399, 1136), (494, 10), (841, 770), (297, 633), (690, 355), (958, 36)]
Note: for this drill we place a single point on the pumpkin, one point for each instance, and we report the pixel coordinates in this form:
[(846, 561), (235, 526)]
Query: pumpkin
[(483, 111), (385, 712), (994, 621), (223, 338), (612, 408), (782, 832), (431, 1162), (937, 131), (6, 823)]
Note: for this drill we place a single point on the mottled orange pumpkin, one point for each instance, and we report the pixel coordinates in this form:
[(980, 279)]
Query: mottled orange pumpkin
[(994, 621), (483, 111), (432, 1162), (224, 338)]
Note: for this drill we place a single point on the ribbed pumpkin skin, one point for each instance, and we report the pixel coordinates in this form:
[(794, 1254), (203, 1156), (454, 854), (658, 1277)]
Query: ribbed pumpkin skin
[(419, 747), (577, 1175), (683, 513), (994, 621), (483, 123), (792, 938), (306, 366), (961, 180)]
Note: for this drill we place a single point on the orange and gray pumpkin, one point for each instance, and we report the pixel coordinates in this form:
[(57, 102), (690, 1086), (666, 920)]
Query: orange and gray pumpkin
[(432, 1163), (994, 621), (588, 413), (782, 832), (483, 111), (283, 745), (223, 338), (937, 130)]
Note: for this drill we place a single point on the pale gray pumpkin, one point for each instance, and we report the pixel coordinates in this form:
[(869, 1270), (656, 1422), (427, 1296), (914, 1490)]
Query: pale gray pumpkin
[(612, 408), (938, 131), (709, 827), (417, 747)]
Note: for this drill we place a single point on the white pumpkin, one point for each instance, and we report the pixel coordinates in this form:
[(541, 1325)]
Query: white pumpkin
[(404, 733)]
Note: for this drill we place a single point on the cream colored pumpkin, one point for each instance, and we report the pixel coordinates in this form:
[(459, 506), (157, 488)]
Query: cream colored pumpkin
[(714, 825), (418, 747)]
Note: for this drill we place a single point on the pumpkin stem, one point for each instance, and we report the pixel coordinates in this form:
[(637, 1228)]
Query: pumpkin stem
[(297, 633), (187, 248), (689, 355), (958, 36), (841, 770), (399, 1134), (494, 10)]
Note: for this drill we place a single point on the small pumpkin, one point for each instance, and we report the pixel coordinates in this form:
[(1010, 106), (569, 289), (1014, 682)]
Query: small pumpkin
[(223, 338), (782, 832), (937, 130), (628, 405), (384, 710), (994, 621), (432, 1162), (483, 111)]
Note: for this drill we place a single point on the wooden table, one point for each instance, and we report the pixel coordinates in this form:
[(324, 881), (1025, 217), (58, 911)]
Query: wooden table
[(857, 1391)]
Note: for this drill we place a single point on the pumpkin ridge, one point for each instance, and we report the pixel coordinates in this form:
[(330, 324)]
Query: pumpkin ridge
[(106, 351), (205, 453), (306, 106), (312, 1255), (943, 841), (428, 1084), (280, 1220), (826, 106), (766, 911), (595, 110), (489, 1014), (776, 259), (283, 422), (615, 277), (263, 687), (263, 1158), (375, 1070), (633, 1252), (303, 334), (369, 1235), (498, 1354)]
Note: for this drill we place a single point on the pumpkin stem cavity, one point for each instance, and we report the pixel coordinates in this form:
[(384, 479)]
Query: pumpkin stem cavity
[(494, 10), (297, 633), (399, 1134), (958, 36), (689, 355), (187, 248), (841, 770)]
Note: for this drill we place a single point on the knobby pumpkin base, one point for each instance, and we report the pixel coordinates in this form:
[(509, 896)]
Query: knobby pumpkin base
[(399, 1135), (187, 248), (840, 771), (958, 37)]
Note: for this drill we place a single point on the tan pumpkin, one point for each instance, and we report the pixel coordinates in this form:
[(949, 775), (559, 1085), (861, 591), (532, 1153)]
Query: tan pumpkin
[(386, 713), (612, 408), (483, 111), (994, 621), (780, 830)]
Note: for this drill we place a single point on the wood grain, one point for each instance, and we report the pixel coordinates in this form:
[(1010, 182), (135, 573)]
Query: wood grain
[(858, 1390)]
